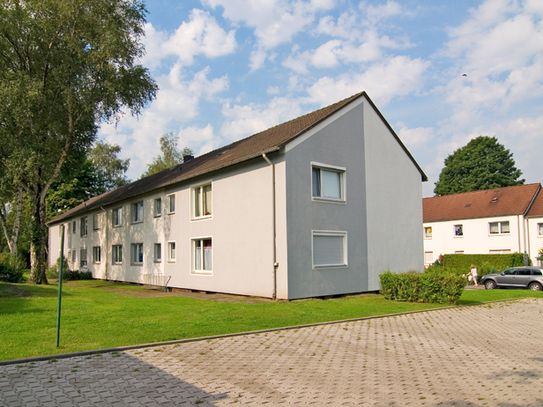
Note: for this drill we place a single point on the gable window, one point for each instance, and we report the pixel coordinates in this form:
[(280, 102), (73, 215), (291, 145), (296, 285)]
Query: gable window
[(540, 229), (171, 203), (158, 207), (201, 201), (96, 254), (96, 221), (499, 228), (329, 249), (117, 254), (202, 255), (157, 255), (458, 230), (171, 251), (428, 232), (83, 254), (137, 212), (84, 227), (117, 217), (137, 253), (328, 183)]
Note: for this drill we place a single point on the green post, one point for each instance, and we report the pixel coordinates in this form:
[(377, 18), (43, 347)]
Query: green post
[(60, 281)]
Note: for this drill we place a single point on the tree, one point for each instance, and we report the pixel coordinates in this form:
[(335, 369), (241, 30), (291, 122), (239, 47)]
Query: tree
[(65, 65), (171, 155), (481, 164), (110, 169)]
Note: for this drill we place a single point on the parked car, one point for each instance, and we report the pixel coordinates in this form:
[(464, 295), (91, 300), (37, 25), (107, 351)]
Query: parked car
[(515, 277)]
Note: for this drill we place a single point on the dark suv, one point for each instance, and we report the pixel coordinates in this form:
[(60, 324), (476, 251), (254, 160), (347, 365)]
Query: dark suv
[(515, 277)]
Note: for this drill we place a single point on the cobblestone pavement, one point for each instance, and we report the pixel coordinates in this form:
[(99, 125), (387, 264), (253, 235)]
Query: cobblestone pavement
[(485, 355)]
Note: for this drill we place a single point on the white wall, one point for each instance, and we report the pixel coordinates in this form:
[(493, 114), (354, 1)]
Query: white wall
[(535, 240)]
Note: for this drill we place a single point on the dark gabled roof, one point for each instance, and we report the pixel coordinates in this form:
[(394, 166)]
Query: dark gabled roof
[(536, 210), (265, 142), (515, 200)]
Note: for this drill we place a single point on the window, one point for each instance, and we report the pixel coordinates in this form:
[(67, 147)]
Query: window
[(499, 228), (499, 251), (202, 255), (171, 203), (428, 232), (201, 201), (84, 227), (428, 257), (137, 212), (96, 221), (328, 183), (74, 227), (83, 257), (137, 253), (171, 251), (117, 254), (458, 230), (158, 207), (74, 255), (329, 249), (117, 217), (96, 254), (540, 229), (157, 255)]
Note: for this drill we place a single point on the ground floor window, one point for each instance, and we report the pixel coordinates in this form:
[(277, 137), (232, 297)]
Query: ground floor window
[(428, 257), (96, 254), (158, 252), (83, 255), (329, 249), (202, 255), (171, 251), (137, 253), (117, 254)]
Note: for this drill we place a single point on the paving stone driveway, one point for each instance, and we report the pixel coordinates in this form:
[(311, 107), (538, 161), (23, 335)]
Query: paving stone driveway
[(489, 355)]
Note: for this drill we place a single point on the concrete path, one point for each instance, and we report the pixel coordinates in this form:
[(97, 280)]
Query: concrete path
[(489, 355)]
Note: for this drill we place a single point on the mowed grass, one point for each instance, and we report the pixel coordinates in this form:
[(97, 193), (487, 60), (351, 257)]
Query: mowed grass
[(94, 317)]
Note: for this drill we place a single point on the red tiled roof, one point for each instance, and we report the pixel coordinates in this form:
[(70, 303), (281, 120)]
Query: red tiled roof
[(537, 208), (514, 200), (265, 142)]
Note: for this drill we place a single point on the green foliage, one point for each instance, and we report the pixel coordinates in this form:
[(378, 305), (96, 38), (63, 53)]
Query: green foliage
[(171, 155), (433, 286), (111, 169), (11, 268), (482, 164), (485, 263)]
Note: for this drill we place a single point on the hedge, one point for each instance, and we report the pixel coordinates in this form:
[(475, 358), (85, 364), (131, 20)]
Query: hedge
[(433, 286), (482, 261)]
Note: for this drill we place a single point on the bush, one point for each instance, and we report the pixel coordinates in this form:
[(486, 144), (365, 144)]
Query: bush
[(67, 274), (497, 261), (11, 268), (433, 286), (52, 272)]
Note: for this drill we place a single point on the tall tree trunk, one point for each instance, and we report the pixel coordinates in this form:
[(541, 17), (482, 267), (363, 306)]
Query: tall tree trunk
[(12, 236), (38, 244)]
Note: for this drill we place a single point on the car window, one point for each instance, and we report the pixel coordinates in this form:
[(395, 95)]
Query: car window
[(510, 272), (524, 272), (536, 273)]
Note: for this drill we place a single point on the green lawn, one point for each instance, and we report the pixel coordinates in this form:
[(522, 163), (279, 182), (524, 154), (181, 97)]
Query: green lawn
[(96, 318)]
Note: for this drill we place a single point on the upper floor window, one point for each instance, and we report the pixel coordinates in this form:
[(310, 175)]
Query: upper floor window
[(329, 249), (96, 221), (84, 226), (328, 182), (117, 217), (499, 228), (540, 229), (458, 230), (428, 232), (171, 203), (137, 212), (201, 201), (74, 227), (158, 207)]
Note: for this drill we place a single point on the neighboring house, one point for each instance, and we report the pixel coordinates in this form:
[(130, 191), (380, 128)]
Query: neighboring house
[(317, 206), (502, 220)]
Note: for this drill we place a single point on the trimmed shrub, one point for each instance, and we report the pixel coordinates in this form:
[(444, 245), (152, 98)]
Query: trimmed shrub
[(433, 286), (483, 262), (67, 274), (11, 268)]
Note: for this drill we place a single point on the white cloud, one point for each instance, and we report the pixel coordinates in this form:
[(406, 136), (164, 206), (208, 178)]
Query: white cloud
[(419, 136), (201, 140)]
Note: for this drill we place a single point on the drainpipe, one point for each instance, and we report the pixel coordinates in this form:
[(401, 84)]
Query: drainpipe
[(105, 238), (275, 264)]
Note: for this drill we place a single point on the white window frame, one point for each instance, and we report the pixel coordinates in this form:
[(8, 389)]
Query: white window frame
[(157, 207), (428, 232), (540, 229), (137, 212), (458, 227), (157, 252), (117, 217), (198, 194), (317, 195), (428, 257), (117, 254), (171, 204), (171, 251), (136, 253), (96, 221), (500, 225), (83, 262), (96, 254), (199, 258), (328, 233)]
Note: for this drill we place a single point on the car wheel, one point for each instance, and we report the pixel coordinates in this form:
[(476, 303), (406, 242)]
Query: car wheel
[(490, 284), (535, 286)]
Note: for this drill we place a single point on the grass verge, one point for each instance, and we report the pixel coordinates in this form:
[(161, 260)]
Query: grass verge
[(94, 318)]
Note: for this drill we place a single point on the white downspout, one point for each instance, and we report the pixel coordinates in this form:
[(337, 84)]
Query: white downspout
[(106, 228), (275, 264)]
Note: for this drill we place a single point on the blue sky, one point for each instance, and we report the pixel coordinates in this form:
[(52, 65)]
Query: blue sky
[(441, 73)]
